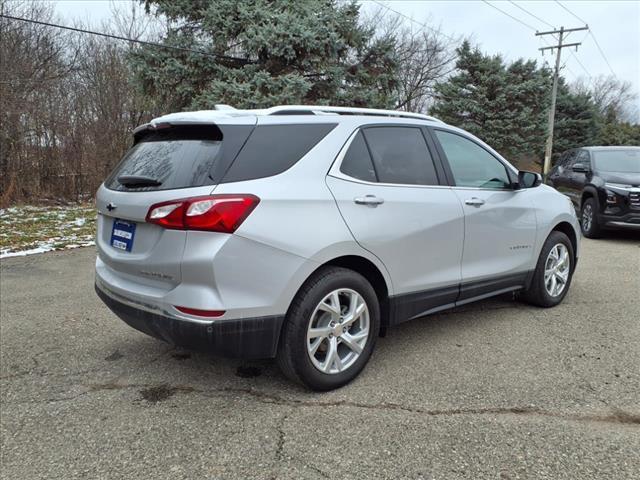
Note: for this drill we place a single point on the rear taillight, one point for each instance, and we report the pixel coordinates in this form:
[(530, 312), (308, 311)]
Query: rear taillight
[(213, 213)]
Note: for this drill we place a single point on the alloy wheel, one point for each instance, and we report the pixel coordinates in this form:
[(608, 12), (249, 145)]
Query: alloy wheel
[(587, 217), (338, 331), (556, 270)]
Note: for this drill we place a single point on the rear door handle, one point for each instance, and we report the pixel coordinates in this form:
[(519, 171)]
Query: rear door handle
[(475, 201), (371, 200)]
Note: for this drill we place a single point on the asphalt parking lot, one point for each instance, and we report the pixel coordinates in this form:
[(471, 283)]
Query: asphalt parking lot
[(494, 390)]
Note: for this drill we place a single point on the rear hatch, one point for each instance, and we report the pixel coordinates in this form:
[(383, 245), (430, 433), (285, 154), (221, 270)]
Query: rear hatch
[(168, 161)]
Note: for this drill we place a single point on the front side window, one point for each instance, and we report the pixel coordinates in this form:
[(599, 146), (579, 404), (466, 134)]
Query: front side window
[(472, 165), (400, 155), (583, 158), (574, 157)]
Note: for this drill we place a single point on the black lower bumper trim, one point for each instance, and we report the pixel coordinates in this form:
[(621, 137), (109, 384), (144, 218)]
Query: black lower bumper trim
[(249, 338), (629, 220)]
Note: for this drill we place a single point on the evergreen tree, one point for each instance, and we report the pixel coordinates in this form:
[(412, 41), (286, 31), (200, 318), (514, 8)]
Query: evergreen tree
[(611, 131), (504, 105), (276, 52), (576, 123)]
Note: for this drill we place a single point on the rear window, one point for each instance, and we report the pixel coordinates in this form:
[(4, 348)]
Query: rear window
[(272, 149), (178, 157), (400, 155)]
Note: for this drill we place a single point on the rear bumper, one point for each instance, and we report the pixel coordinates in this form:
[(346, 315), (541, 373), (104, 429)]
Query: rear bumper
[(248, 338)]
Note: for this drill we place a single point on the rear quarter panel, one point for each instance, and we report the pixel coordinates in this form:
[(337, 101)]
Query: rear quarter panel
[(298, 217)]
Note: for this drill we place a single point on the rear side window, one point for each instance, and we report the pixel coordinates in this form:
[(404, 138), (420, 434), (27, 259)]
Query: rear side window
[(178, 157), (357, 162), (272, 149), (401, 155)]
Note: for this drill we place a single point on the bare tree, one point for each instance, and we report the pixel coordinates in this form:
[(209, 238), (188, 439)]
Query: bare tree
[(34, 60), (425, 54), (614, 98), (69, 104), (69, 100)]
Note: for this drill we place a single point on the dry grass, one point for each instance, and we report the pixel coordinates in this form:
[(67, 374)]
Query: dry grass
[(34, 229)]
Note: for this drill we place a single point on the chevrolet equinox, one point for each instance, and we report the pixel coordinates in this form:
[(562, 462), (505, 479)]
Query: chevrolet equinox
[(299, 232)]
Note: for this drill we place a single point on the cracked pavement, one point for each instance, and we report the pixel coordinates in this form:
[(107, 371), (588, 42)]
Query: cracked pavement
[(496, 390)]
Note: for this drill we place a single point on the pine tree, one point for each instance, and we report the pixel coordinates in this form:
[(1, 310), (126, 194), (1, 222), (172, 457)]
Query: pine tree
[(576, 123), (283, 52), (506, 106)]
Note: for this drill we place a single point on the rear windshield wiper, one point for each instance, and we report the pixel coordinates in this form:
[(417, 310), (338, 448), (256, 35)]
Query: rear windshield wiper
[(132, 181)]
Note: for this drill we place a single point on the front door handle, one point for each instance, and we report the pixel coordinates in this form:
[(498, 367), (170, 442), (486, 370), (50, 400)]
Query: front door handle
[(370, 200), (475, 201)]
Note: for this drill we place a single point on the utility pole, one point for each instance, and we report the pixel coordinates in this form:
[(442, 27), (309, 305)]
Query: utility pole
[(554, 92)]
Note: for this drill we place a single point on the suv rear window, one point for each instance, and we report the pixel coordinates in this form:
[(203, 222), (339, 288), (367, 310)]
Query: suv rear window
[(178, 157), (272, 149)]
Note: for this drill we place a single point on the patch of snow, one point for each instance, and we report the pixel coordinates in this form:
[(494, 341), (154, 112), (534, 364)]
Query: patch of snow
[(44, 248), (22, 253)]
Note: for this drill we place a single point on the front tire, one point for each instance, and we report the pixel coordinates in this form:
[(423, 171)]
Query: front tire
[(553, 273), (330, 329), (589, 219)]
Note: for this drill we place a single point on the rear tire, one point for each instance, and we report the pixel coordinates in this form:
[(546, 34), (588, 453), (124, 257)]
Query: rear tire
[(325, 343), (589, 219), (553, 273)]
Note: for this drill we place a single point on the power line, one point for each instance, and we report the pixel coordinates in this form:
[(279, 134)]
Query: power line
[(571, 13), (544, 39), (554, 89), (531, 14), (511, 16), (117, 37), (424, 25), (592, 35), (580, 63), (602, 53)]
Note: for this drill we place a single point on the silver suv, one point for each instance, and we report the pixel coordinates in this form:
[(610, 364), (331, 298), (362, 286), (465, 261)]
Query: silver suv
[(302, 232)]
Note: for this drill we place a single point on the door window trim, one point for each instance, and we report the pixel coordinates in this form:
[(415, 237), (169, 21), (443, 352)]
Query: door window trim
[(510, 170), (334, 170)]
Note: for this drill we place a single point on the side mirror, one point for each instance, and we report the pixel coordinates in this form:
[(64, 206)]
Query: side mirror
[(528, 179), (580, 168)]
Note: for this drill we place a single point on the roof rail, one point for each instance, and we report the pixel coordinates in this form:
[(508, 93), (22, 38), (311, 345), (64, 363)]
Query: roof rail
[(327, 110)]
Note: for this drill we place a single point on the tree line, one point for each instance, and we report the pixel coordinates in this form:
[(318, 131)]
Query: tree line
[(69, 101)]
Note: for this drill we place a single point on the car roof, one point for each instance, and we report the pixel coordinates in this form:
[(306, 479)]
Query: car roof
[(226, 114), (609, 147)]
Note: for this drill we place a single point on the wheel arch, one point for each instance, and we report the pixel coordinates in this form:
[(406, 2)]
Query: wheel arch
[(588, 192), (371, 272), (569, 231)]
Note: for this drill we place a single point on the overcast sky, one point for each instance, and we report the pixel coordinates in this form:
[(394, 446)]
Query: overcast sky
[(615, 25)]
